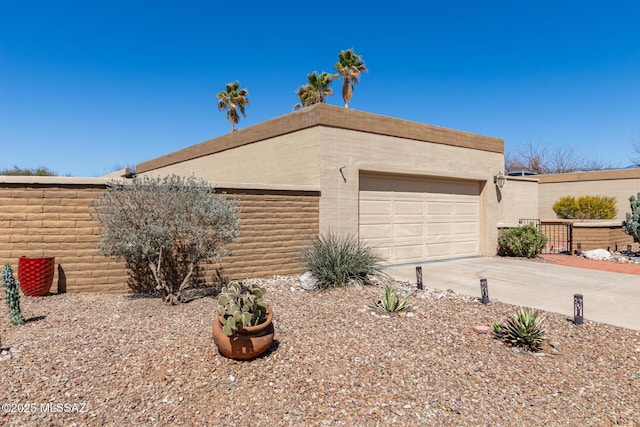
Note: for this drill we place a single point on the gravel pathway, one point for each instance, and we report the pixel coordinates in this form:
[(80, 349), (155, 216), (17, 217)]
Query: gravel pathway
[(118, 360)]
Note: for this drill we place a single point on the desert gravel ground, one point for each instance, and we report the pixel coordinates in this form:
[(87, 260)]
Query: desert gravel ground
[(119, 360)]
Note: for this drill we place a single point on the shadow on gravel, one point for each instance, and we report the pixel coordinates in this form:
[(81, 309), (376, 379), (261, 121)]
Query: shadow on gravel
[(35, 319), (273, 347), (188, 295)]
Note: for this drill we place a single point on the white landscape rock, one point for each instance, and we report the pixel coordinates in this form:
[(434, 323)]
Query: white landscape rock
[(308, 282), (598, 254)]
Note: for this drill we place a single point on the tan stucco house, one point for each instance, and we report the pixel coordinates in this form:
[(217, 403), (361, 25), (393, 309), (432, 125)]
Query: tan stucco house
[(416, 192)]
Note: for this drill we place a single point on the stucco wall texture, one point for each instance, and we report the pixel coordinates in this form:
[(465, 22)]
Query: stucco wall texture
[(328, 147), (620, 183)]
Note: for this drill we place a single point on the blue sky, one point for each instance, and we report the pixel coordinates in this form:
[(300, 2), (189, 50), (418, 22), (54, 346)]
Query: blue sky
[(89, 86)]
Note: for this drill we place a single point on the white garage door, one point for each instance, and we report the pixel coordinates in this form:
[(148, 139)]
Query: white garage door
[(410, 219)]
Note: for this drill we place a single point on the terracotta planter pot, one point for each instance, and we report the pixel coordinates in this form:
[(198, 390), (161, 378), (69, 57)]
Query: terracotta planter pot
[(246, 343), (36, 275)]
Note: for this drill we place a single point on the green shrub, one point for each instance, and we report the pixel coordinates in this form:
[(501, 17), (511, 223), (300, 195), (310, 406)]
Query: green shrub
[(524, 328), (586, 207), (163, 228), (524, 241), (16, 171), (391, 303), (566, 207), (631, 225), (336, 261)]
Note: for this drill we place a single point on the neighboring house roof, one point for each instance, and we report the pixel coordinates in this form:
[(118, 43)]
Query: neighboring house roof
[(329, 116)]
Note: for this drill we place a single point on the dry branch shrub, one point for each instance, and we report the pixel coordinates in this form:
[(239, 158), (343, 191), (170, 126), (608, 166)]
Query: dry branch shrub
[(163, 228)]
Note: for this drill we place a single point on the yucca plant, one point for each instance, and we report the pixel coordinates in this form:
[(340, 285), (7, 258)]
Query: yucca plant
[(524, 328), (337, 261), (391, 303)]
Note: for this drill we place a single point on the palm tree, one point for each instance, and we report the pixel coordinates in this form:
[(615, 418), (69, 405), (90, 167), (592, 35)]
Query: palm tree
[(306, 96), (316, 90), (233, 99), (350, 66)]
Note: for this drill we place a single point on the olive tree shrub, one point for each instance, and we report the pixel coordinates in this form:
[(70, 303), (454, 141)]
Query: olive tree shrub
[(167, 224)]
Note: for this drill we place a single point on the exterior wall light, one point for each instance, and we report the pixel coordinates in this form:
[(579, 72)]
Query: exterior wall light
[(499, 179)]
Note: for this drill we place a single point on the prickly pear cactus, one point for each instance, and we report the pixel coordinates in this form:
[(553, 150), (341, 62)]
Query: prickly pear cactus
[(241, 306), (12, 295), (631, 225)]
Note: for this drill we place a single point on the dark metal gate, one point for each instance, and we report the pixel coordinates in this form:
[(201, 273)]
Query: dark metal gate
[(559, 235)]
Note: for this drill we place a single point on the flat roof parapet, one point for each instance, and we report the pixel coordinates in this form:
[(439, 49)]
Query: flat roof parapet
[(328, 116)]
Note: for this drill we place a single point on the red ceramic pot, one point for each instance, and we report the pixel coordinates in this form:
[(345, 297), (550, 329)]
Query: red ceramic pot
[(245, 343), (36, 275)]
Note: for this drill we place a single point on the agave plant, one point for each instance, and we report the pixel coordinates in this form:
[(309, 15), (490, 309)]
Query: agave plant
[(524, 328), (390, 303)]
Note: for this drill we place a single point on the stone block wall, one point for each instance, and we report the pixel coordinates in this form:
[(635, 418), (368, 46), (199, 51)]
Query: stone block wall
[(600, 237), (50, 216), (274, 227), (53, 220)]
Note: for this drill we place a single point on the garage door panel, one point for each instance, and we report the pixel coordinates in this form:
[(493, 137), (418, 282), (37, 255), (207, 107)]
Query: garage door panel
[(439, 208), (466, 228), (376, 207), (415, 208), (414, 220), (408, 253), (376, 231), (383, 252), (408, 230), (439, 250), (441, 229), (465, 209), (466, 248)]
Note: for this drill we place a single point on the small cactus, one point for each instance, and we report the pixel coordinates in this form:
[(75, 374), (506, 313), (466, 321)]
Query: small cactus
[(391, 303), (12, 295), (631, 225), (241, 305)]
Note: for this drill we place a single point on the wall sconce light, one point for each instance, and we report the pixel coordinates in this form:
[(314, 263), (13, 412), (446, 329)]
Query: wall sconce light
[(499, 179), (342, 173)]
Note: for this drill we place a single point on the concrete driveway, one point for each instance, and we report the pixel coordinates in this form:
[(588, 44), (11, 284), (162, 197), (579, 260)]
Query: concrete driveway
[(612, 298)]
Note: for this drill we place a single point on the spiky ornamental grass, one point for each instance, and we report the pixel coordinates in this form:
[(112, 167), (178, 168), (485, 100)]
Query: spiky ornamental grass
[(12, 295), (338, 261), (524, 328)]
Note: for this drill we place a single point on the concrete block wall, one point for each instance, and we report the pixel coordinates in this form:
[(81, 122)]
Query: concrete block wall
[(274, 228), (54, 220), (50, 216), (600, 237)]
